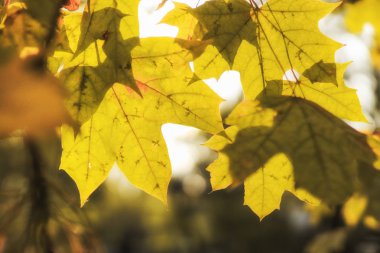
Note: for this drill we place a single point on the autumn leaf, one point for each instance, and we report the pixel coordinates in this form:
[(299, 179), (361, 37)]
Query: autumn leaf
[(224, 24), (307, 135), (220, 176), (287, 45), (181, 17), (159, 88), (285, 59), (124, 88), (286, 136), (262, 43), (95, 53), (303, 132), (281, 46), (331, 94), (265, 187), (126, 128)]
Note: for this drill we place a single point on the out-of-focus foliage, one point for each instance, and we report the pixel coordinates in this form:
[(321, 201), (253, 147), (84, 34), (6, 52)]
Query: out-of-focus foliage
[(33, 114), (363, 12), (38, 207), (31, 97)]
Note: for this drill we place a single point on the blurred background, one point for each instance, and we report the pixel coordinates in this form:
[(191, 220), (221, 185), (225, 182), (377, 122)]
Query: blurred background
[(39, 209)]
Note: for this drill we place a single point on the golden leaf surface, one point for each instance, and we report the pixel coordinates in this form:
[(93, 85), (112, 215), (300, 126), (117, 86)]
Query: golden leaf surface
[(126, 128)]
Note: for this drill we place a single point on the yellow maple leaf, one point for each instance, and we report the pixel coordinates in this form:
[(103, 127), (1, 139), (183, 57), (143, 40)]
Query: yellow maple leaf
[(305, 135), (126, 128), (263, 188), (95, 53), (279, 40)]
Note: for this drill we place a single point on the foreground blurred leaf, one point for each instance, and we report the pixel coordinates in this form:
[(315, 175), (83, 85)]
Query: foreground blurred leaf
[(47, 15), (29, 100), (38, 210), (20, 31)]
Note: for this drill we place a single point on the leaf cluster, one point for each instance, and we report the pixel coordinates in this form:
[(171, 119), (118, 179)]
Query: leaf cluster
[(287, 134)]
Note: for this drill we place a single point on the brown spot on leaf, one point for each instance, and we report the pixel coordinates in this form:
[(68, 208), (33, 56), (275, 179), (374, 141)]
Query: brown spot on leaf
[(71, 5)]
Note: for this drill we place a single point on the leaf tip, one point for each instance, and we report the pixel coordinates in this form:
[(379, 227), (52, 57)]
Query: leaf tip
[(83, 196), (163, 198), (83, 201)]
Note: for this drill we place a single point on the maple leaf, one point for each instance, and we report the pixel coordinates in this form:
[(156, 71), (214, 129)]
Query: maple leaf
[(265, 187), (262, 43), (100, 53), (301, 130), (140, 84), (126, 128), (327, 91), (188, 26), (283, 58), (224, 24), (359, 13)]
